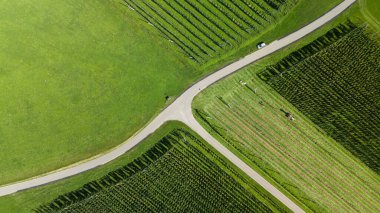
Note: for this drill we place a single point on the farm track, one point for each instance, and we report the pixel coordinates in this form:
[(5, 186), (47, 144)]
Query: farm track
[(181, 110)]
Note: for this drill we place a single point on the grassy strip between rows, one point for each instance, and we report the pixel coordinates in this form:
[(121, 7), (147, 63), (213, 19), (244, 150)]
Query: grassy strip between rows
[(185, 171), (296, 156)]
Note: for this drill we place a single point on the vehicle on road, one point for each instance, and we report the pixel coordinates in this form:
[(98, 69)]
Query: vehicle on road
[(261, 45)]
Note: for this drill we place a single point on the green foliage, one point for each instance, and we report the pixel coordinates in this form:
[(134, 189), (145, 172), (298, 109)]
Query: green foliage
[(338, 89), (307, 51), (179, 173), (205, 29)]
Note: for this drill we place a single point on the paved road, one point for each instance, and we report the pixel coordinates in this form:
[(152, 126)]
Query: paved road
[(180, 110)]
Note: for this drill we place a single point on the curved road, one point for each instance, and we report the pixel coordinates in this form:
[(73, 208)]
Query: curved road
[(180, 110)]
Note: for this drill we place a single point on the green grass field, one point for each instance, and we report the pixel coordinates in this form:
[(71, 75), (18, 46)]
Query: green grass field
[(69, 75), (374, 9), (297, 156), (70, 71), (165, 183), (371, 11)]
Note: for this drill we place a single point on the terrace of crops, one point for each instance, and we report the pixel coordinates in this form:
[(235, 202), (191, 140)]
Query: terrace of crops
[(207, 29), (334, 81), (180, 173)]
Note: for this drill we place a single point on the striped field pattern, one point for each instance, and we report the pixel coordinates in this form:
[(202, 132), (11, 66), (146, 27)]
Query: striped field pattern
[(250, 117), (205, 29)]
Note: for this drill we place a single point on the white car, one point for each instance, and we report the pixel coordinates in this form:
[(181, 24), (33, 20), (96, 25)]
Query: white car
[(261, 45)]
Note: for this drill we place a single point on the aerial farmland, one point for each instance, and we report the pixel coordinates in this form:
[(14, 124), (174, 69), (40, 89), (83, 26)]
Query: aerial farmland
[(190, 106)]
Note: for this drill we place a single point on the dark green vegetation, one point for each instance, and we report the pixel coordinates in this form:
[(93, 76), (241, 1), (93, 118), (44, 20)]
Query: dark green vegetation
[(250, 118), (68, 80), (179, 173), (338, 87), (207, 29)]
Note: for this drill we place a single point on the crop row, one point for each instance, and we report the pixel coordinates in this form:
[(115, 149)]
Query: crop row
[(109, 180), (338, 89), (174, 176), (205, 29), (307, 51)]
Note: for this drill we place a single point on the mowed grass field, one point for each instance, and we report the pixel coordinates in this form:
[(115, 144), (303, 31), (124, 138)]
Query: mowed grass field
[(173, 170), (304, 162), (298, 156), (371, 10), (77, 78)]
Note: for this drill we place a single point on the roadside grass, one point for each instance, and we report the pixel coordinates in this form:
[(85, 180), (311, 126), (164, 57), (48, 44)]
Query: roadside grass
[(297, 157), (31, 199), (78, 78)]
